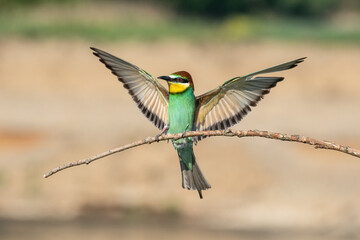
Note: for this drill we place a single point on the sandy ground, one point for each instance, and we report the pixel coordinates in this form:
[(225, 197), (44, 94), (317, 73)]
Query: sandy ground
[(59, 104)]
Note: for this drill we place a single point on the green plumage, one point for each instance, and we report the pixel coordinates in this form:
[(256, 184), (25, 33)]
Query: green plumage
[(181, 118)]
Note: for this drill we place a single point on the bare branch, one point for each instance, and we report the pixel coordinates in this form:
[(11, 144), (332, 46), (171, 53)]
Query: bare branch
[(227, 133)]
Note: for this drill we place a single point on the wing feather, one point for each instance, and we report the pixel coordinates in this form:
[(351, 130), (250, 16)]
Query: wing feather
[(150, 96), (226, 105)]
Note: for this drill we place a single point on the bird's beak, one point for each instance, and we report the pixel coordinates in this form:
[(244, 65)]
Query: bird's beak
[(166, 78)]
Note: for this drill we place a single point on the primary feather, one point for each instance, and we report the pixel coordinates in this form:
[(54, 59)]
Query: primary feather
[(150, 96), (227, 104)]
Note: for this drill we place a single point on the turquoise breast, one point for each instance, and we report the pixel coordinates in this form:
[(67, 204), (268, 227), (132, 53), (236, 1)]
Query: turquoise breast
[(181, 113)]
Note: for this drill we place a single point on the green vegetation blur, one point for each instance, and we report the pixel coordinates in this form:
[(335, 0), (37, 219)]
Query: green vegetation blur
[(332, 21), (214, 8)]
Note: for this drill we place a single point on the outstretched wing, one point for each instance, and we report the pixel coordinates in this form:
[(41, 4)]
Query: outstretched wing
[(150, 96), (226, 105)]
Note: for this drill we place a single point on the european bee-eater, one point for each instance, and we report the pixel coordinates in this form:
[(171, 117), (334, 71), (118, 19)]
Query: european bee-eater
[(178, 110)]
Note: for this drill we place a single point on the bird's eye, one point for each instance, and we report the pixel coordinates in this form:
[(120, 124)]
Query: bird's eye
[(178, 79)]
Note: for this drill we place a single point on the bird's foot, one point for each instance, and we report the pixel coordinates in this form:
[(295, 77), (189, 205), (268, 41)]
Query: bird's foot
[(164, 131), (157, 137), (184, 132)]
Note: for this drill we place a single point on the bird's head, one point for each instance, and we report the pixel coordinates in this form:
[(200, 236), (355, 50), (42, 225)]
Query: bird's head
[(178, 82)]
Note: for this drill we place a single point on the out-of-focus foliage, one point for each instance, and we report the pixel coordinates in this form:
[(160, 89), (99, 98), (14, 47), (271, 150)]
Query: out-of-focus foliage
[(144, 21), (216, 8), (224, 8), (8, 4)]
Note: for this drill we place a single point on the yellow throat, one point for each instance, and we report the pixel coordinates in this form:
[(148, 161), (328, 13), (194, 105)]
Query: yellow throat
[(178, 87)]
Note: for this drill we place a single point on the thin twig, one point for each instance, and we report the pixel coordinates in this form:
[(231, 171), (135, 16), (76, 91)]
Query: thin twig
[(227, 133)]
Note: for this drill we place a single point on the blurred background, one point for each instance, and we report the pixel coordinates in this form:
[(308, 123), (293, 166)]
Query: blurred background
[(59, 104)]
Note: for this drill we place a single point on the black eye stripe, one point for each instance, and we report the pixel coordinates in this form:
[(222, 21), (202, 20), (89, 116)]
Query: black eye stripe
[(180, 80)]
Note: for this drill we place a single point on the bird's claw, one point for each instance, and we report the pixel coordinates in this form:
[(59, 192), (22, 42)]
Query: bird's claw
[(166, 128), (183, 134)]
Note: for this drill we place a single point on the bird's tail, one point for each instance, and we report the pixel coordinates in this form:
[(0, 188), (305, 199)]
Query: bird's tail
[(192, 177)]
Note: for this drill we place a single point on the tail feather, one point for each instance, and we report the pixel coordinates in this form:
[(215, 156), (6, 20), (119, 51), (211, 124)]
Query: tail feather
[(193, 179)]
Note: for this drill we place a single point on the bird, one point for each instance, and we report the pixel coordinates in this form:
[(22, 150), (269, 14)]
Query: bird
[(178, 110)]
